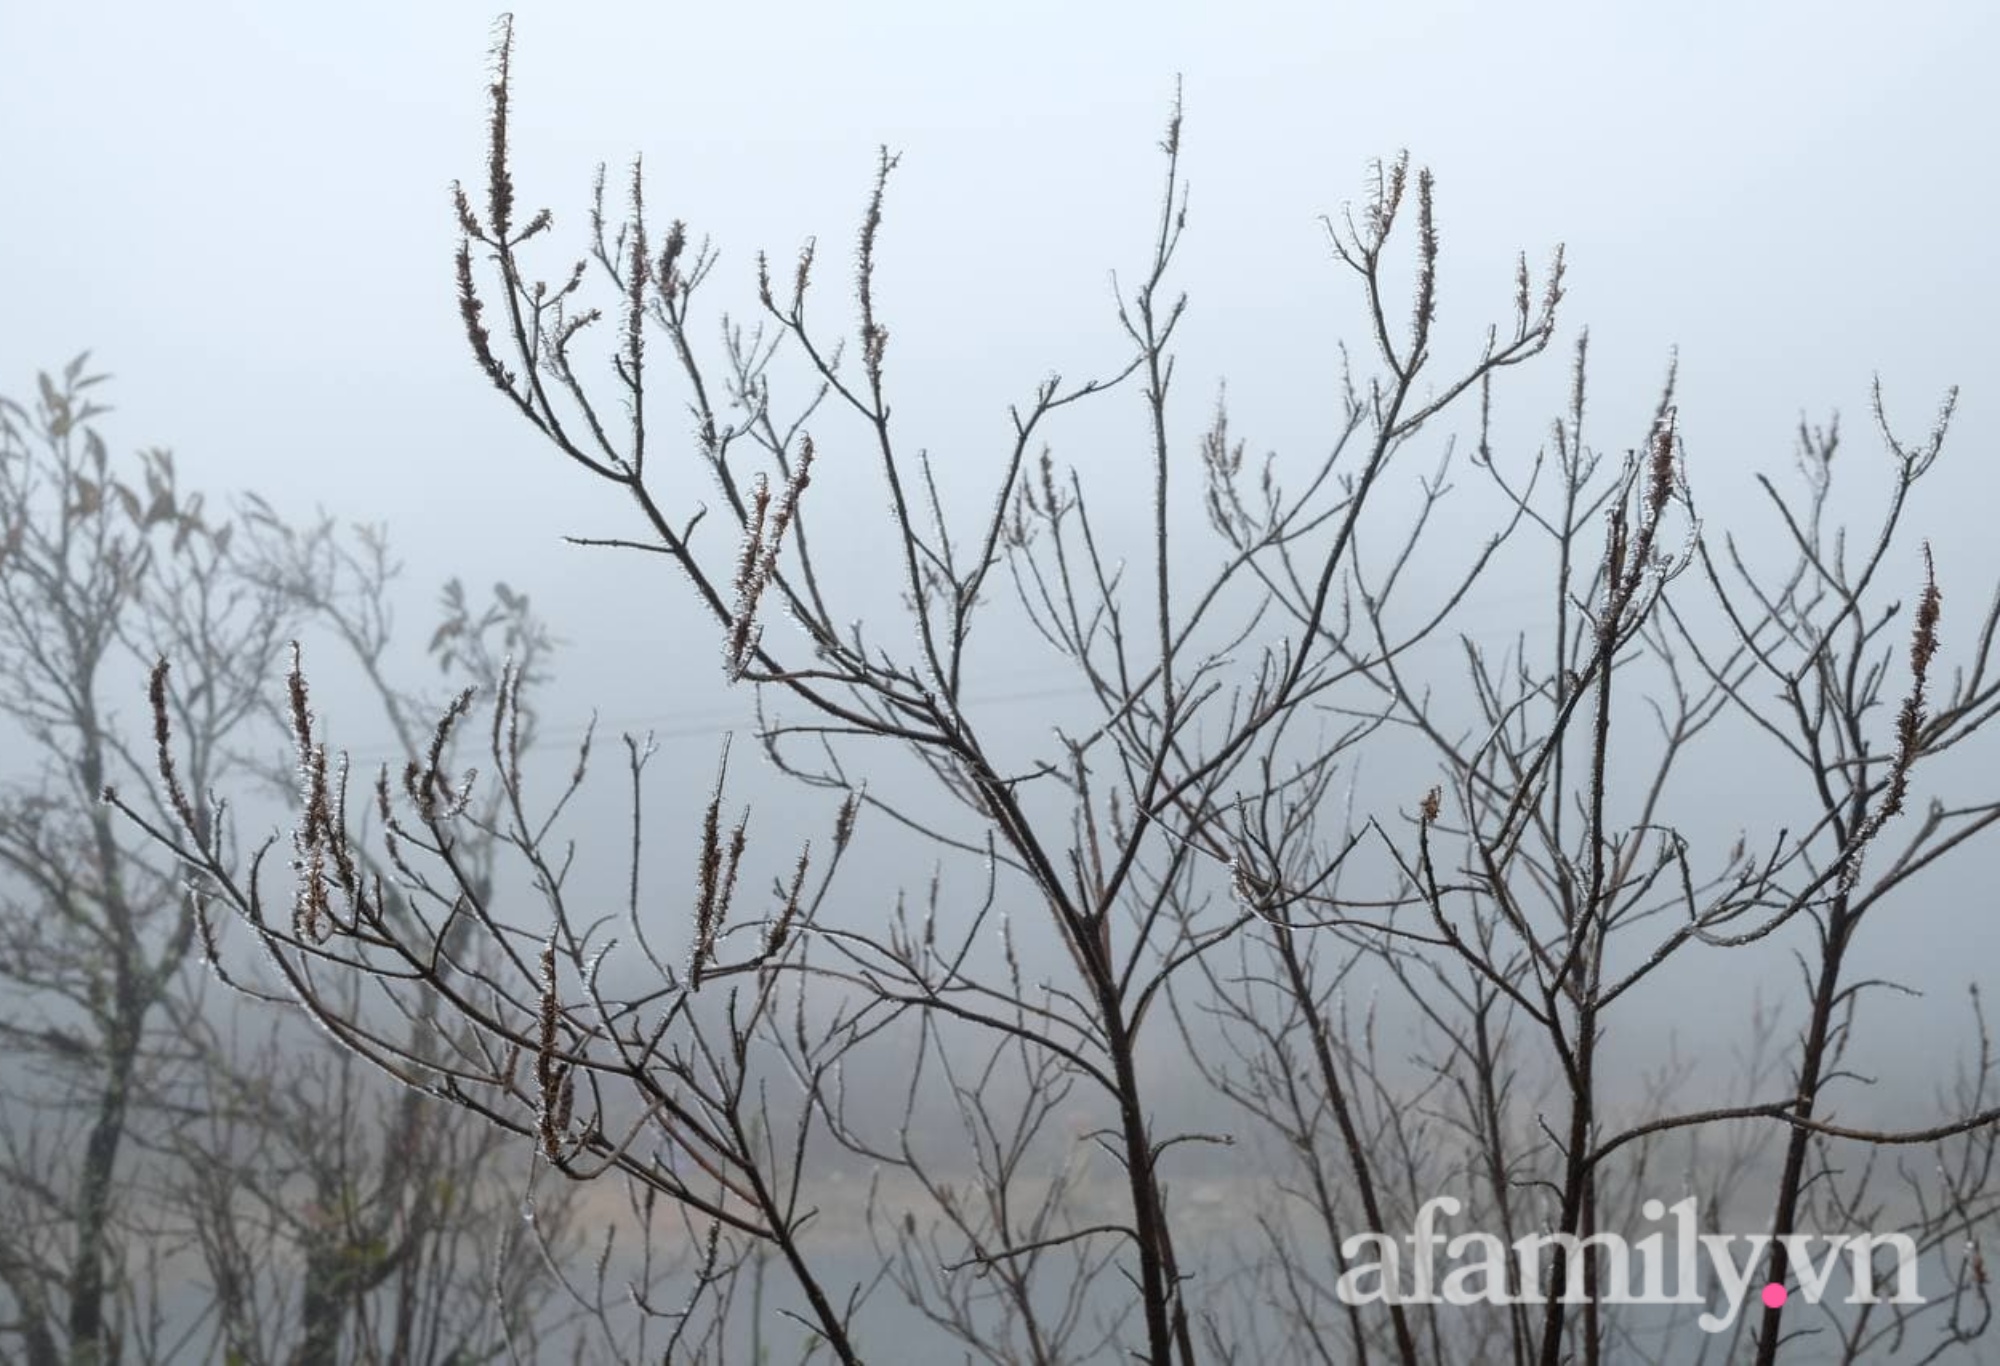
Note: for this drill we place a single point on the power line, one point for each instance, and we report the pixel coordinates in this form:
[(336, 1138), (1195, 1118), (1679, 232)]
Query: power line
[(713, 722), (721, 722)]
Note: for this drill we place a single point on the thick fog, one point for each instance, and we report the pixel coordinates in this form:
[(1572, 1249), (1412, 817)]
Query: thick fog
[(244, 213)]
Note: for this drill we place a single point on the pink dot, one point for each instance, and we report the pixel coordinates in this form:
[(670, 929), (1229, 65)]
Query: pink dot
[(1774, 1296)]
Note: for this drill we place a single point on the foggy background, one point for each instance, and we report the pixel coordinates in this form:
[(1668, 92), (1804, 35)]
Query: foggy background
[(243, 212)]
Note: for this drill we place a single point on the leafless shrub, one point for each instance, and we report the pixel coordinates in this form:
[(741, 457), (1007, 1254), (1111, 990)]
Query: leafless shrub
[(161, 1179), (1530, 860)]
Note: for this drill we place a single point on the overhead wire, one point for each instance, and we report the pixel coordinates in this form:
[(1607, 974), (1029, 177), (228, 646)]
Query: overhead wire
[(712, 722)]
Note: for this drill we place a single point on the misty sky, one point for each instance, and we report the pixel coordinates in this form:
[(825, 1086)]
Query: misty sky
[(243, 210)]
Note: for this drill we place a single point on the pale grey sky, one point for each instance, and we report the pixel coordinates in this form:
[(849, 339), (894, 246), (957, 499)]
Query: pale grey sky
[(242, 208)]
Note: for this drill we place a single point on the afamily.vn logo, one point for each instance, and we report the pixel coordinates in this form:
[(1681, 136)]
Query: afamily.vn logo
[(1480, 1265)]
